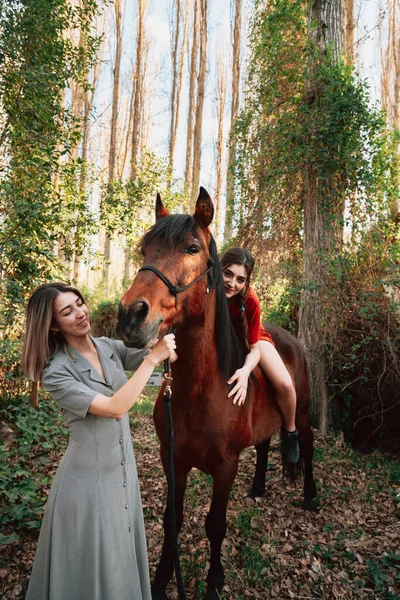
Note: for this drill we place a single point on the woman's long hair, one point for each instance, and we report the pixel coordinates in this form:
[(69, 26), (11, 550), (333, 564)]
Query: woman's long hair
[(240, 256), (41, 342)]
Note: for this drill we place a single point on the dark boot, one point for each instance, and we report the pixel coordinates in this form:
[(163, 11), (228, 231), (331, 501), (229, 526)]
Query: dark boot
[(291, 450)]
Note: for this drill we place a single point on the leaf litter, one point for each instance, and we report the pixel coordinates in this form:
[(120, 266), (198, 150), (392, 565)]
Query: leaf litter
[(348, 550)]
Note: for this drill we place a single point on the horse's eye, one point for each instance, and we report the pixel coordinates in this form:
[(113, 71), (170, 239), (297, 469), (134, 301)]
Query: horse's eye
[(193, 249), (142, 251)]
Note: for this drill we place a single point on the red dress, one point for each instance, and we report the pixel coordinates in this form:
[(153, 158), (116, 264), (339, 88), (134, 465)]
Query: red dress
[(253, 314)]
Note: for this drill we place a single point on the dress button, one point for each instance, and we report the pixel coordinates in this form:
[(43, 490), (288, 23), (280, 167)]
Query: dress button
[(124, 484), (122, 462), (120, 441), (117, 420), (126, 505)]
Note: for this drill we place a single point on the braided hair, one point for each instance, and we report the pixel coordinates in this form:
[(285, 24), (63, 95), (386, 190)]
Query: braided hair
[(241, 256)]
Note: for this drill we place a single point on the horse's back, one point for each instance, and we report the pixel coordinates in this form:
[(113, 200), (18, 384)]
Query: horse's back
[(293, 356)]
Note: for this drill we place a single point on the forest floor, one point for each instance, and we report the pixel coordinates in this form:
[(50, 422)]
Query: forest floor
[(348, 550)]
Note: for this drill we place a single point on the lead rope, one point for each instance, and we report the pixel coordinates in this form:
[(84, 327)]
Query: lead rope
[(171, 479)]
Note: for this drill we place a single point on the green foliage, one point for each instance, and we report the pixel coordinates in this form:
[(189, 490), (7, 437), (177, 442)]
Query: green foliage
[(37, 60), (127, 207), (309, 131), (38, 434), (103, 318), (12, 381)]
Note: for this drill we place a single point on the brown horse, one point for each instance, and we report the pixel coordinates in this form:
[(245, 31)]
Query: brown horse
[(210, 432)]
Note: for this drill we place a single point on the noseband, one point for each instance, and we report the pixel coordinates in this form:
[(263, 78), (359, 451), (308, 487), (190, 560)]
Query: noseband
[(174, 289)]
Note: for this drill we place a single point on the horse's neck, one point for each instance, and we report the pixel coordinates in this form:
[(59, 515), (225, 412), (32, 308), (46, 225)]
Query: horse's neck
[(195, 340)]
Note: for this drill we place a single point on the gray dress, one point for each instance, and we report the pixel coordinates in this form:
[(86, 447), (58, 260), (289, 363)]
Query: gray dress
[(92, 543)]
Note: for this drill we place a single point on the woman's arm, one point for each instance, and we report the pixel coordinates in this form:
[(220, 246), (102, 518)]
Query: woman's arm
[(118, 405), (241, 376)]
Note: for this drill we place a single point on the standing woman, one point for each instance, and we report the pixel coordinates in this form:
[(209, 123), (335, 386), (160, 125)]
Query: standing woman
[(244, 307), (92, 543)]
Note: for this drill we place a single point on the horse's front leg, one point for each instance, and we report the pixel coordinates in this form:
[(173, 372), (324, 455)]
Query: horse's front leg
[(165, 567), (223, 478), (258, 485)]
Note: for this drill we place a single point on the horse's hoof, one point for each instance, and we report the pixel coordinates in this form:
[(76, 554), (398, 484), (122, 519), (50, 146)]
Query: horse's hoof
[(158, 592), (312, 505), (250, 502), (256, 493), (254, 496), (212, 594)]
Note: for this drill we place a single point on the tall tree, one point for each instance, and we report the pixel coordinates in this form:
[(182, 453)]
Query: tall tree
[(349, 27), (390, 66), (192, 98), (179, 28), (112, 157), (322, 220), (201, 85), (220, 102), (235, 91), (138, 86)]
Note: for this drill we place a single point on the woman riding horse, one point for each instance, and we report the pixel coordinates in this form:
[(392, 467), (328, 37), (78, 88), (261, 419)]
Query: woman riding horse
[(244, 307)]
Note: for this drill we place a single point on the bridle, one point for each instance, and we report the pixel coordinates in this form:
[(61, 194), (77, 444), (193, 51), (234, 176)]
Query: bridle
[(174, 289)]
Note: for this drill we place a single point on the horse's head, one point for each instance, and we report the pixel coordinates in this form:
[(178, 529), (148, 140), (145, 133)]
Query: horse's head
[(173, 283)]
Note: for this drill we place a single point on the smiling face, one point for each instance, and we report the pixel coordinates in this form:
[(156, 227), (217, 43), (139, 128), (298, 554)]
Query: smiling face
[(70, 316), (235, 279)]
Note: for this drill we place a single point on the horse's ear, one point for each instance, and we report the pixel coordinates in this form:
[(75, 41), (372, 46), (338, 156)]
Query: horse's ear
[(161, 211), (204, 209)]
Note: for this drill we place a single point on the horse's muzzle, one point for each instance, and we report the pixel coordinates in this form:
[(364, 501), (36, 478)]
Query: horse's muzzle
[(132, 325)]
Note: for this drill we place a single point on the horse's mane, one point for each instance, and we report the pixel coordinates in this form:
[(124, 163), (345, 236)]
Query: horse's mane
[(173, 231)]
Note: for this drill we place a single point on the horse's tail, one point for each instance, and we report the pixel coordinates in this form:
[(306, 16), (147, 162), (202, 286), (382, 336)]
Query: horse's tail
[(291, 471)]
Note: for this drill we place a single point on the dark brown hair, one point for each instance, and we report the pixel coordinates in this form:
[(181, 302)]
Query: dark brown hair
[(41, 343), (240, 256)]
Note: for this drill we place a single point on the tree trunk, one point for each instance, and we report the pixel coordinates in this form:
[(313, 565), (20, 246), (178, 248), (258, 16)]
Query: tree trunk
[(315, 246), (201, 83), (220, 145), (87, 109), (192, 101), (349, 26), (112, 156), (390, 81), (178, 59), (320, 236), (138, 88), (237, 28)]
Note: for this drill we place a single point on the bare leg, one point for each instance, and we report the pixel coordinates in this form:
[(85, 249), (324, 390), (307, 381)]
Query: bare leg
[(277, 373)]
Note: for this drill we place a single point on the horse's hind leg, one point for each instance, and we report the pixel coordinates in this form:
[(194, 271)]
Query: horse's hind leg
[(258, 485), (306, 444), (165, 568), (223, 478)]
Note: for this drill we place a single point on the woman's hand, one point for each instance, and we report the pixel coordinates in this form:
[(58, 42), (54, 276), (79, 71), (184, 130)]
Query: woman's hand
[(239, 390), (164, 348)]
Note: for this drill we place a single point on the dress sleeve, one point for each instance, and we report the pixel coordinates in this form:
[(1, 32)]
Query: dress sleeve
[(253, 315), (67, 391), (131, 358)]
